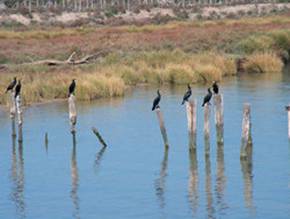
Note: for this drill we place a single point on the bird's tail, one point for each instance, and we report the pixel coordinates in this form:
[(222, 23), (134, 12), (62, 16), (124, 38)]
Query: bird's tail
[(202, 105), (182, 102), (153, 108)]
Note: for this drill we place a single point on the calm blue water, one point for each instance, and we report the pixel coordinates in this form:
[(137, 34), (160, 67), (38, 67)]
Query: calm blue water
[(133, 177)]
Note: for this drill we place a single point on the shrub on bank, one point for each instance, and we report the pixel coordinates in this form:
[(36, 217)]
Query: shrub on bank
[(263, 63)]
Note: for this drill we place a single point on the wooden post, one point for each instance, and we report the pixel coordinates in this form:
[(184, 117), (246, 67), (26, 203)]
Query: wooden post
[(162, 127), (12, 105), (206, 129), (219, 120), (12, 112), (19, 117), (191, 122), (288, 110), (72, 113), (97, 133), (206, 120), (246, 139)]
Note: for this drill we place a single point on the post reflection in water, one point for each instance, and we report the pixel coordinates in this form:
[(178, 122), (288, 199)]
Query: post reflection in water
[(98, 160), (209, 198), (247, 169), (160, 181), (17, 177), (193, 181), (75, 181), (46, 142), (220, 178)]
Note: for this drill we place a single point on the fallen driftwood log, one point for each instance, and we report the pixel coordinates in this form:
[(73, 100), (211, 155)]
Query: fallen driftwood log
[(70, 61)]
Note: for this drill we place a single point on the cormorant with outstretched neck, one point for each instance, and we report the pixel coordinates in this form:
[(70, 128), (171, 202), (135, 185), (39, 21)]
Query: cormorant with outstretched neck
[(72, 87), (207, 98), (215, 87), (11, 85), (18, 88), (186, 95), (156, 101)]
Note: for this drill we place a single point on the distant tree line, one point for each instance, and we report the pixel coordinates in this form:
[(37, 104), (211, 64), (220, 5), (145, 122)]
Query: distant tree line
[(84, 5)]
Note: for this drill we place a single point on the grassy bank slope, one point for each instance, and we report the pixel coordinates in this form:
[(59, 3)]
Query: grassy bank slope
[(178, 52)]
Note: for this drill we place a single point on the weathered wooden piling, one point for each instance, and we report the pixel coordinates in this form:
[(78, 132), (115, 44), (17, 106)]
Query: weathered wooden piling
[(97, 133), (207, 146), (72, 113), (219, 111), (206, 127), (19, 117), (206, 120), (219, 118), (191, 116), (12, 105), (288, 111), (162, 127), (191, 122), (246, 128)]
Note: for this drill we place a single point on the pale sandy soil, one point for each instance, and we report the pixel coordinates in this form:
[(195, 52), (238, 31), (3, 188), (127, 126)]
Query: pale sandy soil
[(205, 12)]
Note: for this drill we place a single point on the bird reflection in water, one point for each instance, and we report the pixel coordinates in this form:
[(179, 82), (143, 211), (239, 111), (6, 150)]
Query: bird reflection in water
[(193, 181), (160, 181), (17, 177), (75, 181)]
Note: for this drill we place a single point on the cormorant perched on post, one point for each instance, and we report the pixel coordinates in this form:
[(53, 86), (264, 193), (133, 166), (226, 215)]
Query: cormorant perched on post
[(18, 89), (207, 98), (156, 101), (11, 85), (186, 95), (215, 87), (72, 87)]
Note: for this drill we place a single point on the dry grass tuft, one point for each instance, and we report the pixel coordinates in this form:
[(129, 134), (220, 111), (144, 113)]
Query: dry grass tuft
[(263, 63)]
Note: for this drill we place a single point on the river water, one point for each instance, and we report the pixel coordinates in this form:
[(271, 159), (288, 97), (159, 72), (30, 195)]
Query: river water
[(134, 177)]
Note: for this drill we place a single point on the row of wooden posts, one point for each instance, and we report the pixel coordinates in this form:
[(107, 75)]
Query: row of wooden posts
[(191, 111)]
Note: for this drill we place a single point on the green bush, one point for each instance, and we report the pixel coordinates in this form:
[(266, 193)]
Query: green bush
[(256, 43)]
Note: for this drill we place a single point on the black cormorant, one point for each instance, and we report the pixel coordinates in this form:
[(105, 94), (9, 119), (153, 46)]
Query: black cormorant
[(18, 88), (186, 95), (156, 101), (11, 85), (207, 98), (72, 87), (215, 87)]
